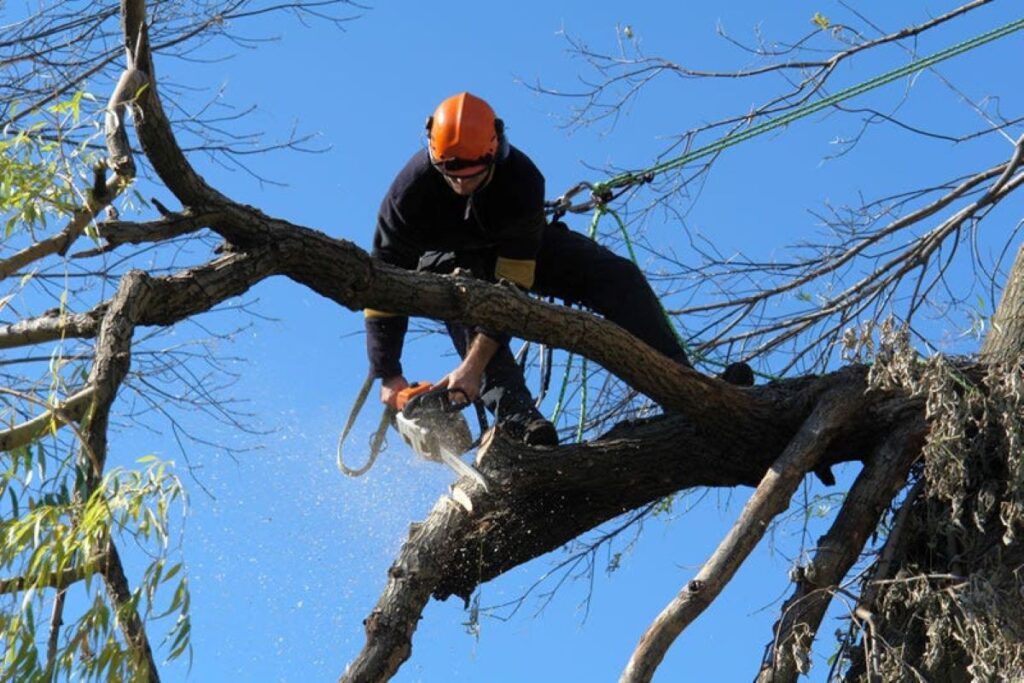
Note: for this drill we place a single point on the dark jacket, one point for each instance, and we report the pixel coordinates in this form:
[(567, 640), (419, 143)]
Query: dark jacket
[(421, 213)]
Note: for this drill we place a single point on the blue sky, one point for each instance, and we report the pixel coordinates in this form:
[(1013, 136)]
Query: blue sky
[(285, 556)]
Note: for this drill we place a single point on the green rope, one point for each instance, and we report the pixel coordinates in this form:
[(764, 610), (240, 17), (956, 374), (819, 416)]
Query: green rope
[(568, 362), (632, 255), (630, 178), (561, 392)]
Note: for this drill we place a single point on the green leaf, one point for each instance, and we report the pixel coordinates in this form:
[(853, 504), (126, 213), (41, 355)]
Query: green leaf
[(172, 572)]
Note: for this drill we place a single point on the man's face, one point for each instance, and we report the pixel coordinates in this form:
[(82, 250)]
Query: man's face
[(466, 184)]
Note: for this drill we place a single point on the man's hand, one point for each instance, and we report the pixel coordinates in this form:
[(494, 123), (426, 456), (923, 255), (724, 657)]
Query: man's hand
[(468, 376), (463, 384), (389, 389)]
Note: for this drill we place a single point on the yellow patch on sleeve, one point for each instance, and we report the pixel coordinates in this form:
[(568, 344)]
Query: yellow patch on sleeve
[(374, 313), (519, 271)]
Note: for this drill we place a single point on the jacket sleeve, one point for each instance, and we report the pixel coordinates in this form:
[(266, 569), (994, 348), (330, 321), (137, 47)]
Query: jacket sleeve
[(392, 243), (517, 256), (385, 336)]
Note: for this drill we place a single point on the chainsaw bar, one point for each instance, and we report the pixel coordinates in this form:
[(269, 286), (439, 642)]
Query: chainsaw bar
[(436, 431)]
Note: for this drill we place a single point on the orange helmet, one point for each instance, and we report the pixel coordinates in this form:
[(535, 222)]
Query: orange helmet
[(463, 132)]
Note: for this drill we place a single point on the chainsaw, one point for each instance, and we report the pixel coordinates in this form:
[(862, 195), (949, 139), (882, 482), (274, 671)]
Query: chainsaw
[(435, 428), (427, 420)]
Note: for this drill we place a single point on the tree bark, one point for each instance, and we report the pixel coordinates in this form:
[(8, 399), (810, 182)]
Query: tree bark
[(540, 499), (111, 365)]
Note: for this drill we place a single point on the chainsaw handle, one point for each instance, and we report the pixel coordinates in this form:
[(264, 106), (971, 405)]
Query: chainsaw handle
[(410, 392), (434, 397), (452, 406)]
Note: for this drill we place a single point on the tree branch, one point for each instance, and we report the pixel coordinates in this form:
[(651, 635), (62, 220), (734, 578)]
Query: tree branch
[(771, 497), (116, 233), (883, 476), (70, 410), (153, 128), (540, 499), (54, 580), (110, 366)]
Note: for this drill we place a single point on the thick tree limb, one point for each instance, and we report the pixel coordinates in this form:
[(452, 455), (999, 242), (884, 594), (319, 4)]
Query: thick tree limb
[(540, 499), (1004, 342), (883, 476), (771, 497), (176, 297), (49, 327), (153, 127), (344, 273), (110, 366)]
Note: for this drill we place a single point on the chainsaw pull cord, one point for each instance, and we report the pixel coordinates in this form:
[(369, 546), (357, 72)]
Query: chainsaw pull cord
[(378, 437)]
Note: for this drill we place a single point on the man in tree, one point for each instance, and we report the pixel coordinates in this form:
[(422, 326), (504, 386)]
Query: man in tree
[(474, 202)]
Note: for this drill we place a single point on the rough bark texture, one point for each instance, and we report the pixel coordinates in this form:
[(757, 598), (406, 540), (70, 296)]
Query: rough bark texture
[(543, 498), (110, 366)]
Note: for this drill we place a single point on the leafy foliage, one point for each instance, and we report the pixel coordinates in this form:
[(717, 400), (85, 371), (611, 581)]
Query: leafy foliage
[(52, 535), (58, 528), (39, 174)]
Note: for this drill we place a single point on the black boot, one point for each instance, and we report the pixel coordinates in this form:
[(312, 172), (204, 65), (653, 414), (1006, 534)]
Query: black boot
[(540, 432), (530, 427)]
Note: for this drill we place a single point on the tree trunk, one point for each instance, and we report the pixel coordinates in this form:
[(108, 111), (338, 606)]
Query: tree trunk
[(1005, 340)]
